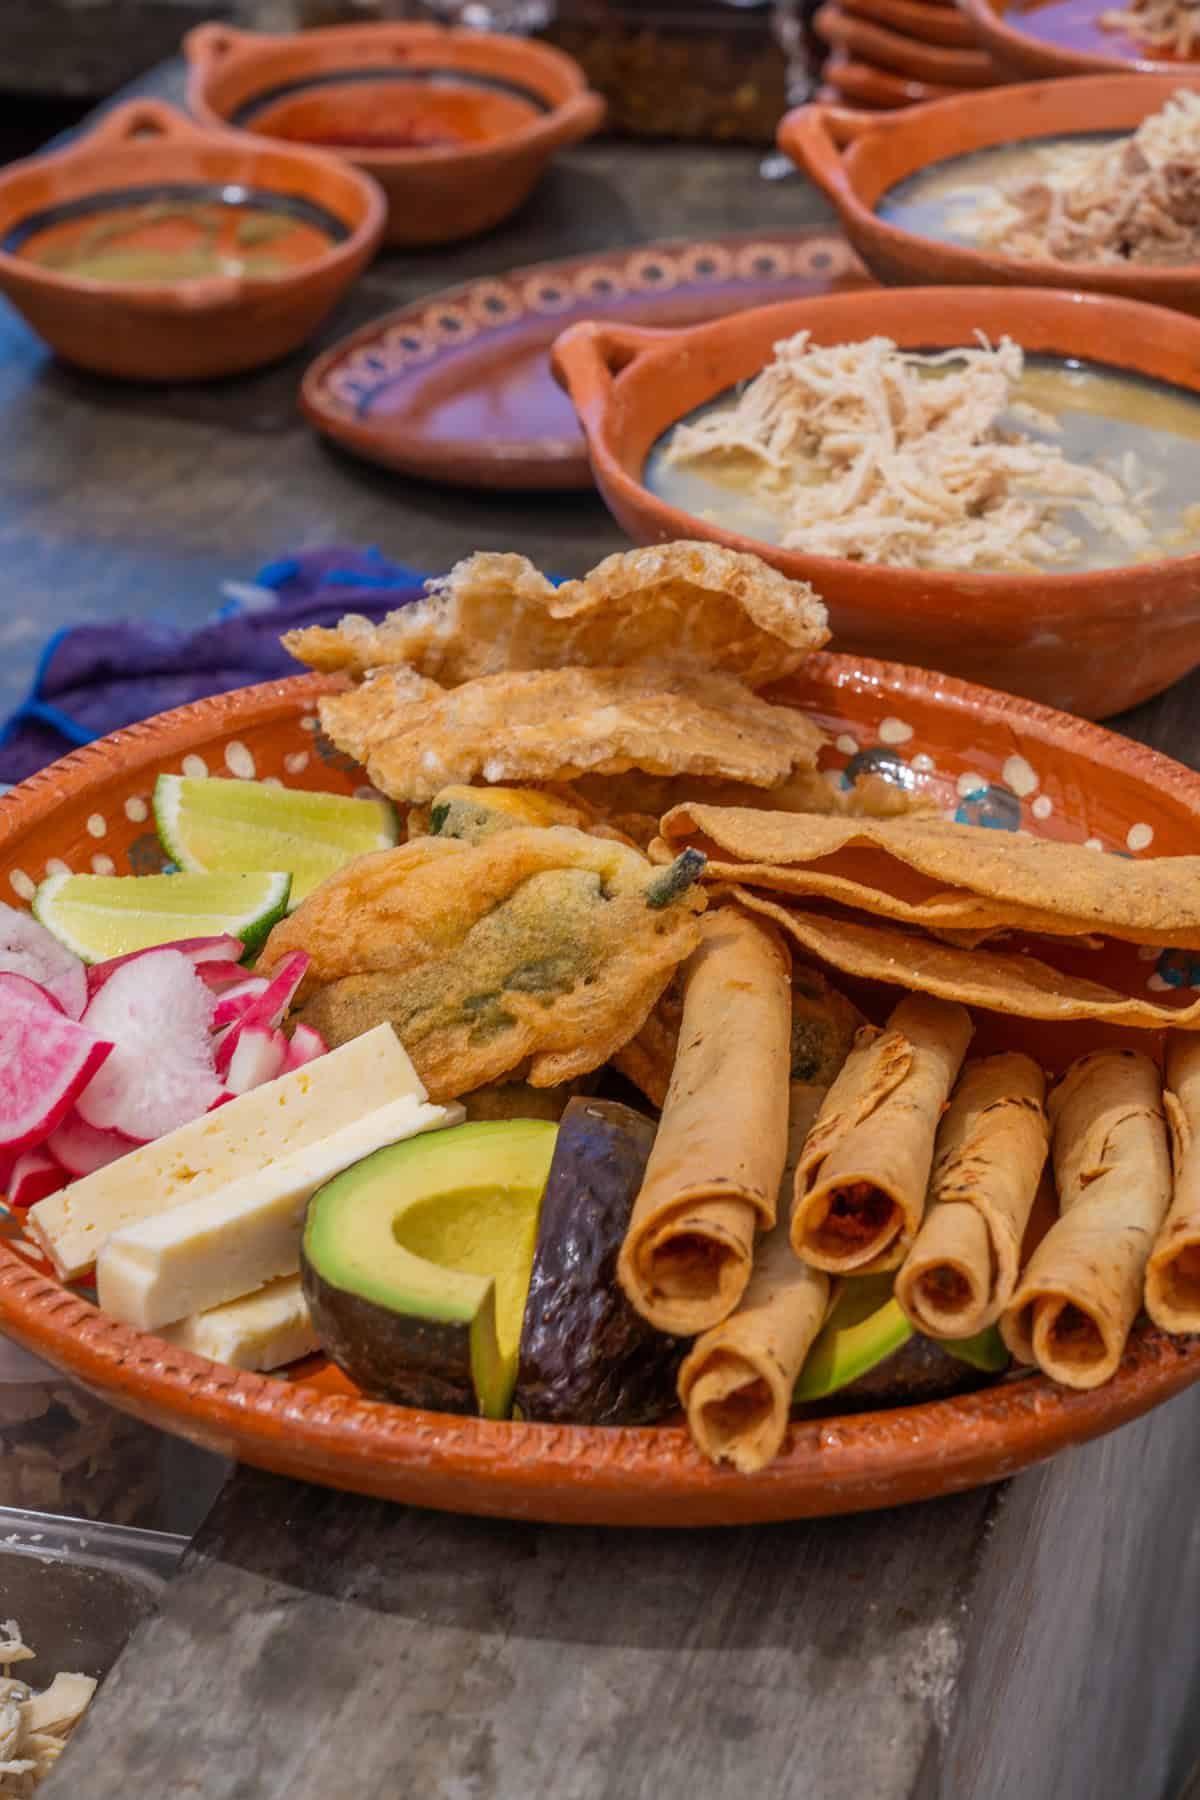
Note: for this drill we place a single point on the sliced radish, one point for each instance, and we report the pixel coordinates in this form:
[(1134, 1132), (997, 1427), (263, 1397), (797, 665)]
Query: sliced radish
[(158, 1013), (220, 975), (306, 1045), (34, 1175), (260, 1056), (27, 948), (46, 1060), (201, 952), (236, 1002), (269, 1008), (81, 1149)]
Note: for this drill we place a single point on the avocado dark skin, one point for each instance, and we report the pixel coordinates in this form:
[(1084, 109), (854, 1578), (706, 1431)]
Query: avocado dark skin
[(587, 1358), (409, 1363)]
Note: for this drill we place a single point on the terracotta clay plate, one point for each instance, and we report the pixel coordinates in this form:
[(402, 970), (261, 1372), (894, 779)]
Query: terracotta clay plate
[(458, 388), (1046, 39), (989, 759)]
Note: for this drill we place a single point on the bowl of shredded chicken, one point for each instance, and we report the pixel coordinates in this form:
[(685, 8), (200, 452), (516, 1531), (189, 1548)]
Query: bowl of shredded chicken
[(993, 482)]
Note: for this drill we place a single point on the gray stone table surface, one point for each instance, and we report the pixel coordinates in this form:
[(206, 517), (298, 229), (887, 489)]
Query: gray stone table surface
[(1037, 1639)]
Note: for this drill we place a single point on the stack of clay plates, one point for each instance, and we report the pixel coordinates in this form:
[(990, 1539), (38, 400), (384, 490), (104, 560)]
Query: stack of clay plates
[(886, 53)]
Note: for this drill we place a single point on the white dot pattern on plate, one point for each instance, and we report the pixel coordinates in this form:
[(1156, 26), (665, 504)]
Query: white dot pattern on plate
[(296, 761), (97, 825), (894, 731), (1092, 844), (239, 761), (847, 745), (136, 809), (56, 866), (1140, 836), (1157, 983), (103, 865), (970, 784), (309, 722), (20, 884), (1149, 952), (1042, 807), (272, 781), (195, 767), (1020, 776), (924, 765), (373, 793)]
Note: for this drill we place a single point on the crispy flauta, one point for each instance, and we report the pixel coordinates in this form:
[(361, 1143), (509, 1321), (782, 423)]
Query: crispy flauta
[(685, 605), (713, 1176), (861, 1180), (997, 980), (736, 1383), (1173, 1272), (991, 1147), (1027, 883), (1081, 1291)]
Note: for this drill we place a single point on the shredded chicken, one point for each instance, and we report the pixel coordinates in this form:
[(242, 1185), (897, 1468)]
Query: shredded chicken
[(33, 1727), (1136, 200), (1170, 25), (885, 456)]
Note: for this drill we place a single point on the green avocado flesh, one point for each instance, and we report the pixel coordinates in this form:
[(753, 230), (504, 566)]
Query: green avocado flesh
[(865, 1328), (416, 1263)]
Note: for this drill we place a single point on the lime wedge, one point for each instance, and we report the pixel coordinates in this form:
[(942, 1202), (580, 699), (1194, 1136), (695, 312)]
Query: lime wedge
[(223, 827), (99, 916)]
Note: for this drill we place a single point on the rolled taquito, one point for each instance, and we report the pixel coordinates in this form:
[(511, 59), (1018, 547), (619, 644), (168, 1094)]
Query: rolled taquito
[(1173, 1272), (862, 1178), (735, 1384), (712, 1180), (991, 1146), (1082, 1289)]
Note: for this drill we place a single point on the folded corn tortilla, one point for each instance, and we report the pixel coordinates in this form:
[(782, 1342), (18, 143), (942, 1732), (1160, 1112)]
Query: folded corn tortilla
[(991, 1147), (1173, 1272), (1081, 1291), (861, 1180), (712, 1180)]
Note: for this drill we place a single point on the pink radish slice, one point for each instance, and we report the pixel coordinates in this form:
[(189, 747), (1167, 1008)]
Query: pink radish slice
[(34, 1176), (270, 1006), (158, 1013), (306, 1045), (81, 1149), (200, 951), (46, 1061), (236, 1002), (27, 948), (260, 1056), (220, 975)]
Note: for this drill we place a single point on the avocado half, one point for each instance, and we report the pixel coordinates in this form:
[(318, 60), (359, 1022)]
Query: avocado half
[(416, 1262), (868, 1354)]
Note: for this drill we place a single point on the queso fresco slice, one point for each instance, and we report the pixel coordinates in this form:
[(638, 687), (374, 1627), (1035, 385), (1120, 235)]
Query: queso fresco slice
[(416, 1264)]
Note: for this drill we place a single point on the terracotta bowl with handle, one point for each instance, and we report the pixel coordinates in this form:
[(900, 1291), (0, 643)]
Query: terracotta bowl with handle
[(917, 19), (1092, 642), (358, 89), (856, 158), (865, 85), (888, 48), (142, 159), (1043, 40)]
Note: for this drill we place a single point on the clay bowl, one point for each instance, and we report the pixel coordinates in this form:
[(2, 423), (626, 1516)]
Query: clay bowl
[(327, 86), (1052, 38), (182, 329), (856, 159), (308, 1422), (879, 90), (917, 19), (866, 41), (1092, 643)]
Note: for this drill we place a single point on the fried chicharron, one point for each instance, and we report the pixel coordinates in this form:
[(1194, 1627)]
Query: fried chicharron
[(690, 605), (535, 952)]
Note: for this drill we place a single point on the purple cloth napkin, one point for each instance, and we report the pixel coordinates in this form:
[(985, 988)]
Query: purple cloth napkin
[(95, 678)]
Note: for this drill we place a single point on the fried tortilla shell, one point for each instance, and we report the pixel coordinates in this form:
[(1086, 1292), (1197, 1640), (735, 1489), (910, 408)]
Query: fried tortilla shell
[(991, 1148), (535, 954), (997, 980), (713, 1176), (1081, 1290), (686, 605), (1030, 884), (861, 1181), (1173, 1272), (553, 725), (735, 1385), (806, 791)]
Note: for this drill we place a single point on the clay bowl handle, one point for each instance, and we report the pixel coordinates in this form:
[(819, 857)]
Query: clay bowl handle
[(207, 45), (814, 136), (138, 120), (588, 357)]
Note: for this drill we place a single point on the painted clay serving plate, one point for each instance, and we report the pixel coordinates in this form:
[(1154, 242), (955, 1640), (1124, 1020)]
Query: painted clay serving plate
[(1042, 40), (864, 84), (987, 758), (856, 159), (917, 19), (893, 49), (457, 388)]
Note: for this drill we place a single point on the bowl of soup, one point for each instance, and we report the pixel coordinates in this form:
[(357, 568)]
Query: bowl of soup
[(1087, 184), (155, 250), (990, 482), (456, 126)]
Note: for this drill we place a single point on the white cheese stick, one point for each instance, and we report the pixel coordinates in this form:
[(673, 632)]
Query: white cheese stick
[(206, 1252), (237, 1139), (262, 1331)]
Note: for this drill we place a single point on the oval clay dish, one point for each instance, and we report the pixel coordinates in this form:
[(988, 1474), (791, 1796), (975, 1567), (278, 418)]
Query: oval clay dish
[(1048, 39), (856, 158), (457, 387), (895, 51), (986, 754)]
